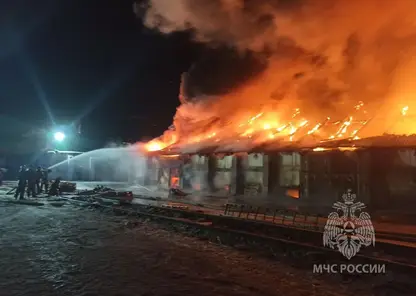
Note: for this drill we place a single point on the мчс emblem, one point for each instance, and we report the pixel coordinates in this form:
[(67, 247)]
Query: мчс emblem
[(349, 232)]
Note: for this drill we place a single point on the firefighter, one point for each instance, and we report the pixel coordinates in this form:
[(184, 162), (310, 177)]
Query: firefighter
[(45, 180), (55, 190), (22, 177), (39, 176), (31, 182)]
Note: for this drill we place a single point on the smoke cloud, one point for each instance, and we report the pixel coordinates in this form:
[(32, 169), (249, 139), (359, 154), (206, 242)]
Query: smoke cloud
[(322, 56)]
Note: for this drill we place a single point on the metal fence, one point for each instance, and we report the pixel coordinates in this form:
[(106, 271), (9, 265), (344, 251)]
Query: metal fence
[(286, 217)]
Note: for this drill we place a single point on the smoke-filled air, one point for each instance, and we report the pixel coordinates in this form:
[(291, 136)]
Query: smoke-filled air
[(336, 69)]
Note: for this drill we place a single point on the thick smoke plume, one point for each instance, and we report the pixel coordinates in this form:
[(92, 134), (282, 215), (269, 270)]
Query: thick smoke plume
[(323, 56)]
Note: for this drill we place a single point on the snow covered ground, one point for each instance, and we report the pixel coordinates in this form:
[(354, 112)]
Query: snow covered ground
[(48, 250), (67, 250)]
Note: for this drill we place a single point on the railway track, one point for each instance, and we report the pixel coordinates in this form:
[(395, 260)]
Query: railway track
[(284, 246)]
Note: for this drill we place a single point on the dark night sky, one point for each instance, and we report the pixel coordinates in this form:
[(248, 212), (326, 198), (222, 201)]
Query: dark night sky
[(90, 59)]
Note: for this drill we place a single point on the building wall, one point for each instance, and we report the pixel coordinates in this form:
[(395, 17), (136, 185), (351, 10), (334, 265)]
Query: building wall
[(329, 175), (241, 174), (164, 178), (284, 178), (153, 171), (393, 179), (384, 179), (315, 180), (221, 174), (402, 177), (255, 166), (163, 172), (381, 178), (197, 174), (194, 173)]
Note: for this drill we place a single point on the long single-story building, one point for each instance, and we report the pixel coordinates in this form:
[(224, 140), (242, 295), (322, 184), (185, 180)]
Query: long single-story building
[(381, 171)]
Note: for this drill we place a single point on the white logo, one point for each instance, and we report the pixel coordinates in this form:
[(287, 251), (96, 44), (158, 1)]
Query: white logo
[(349, 232)]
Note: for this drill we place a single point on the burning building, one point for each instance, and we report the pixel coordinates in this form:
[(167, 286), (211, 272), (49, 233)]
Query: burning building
[(333, 108), (381, 170)]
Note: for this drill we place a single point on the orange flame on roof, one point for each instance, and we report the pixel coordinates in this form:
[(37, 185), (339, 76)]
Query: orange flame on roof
[(155, 145), (267, 127)]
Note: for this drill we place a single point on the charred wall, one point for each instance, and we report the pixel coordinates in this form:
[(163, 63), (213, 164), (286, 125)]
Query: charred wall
[(221, 173), (393, 178), (253, 174), (315, 180), (240, 174), (381, 178), (384, 179), (163, 172), (284, 176), (194, 173), (327, 175)]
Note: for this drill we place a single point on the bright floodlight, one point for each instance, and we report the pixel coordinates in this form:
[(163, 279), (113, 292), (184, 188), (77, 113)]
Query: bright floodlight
[(59, 136)]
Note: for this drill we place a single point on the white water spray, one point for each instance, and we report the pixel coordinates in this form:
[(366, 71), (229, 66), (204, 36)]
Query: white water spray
[(121, 164)]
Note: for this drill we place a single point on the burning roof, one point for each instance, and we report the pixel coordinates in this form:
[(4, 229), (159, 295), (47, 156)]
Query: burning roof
[(385, 141), (263, 132)]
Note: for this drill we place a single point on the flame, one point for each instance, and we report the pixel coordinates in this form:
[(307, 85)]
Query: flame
[(174, 182), (155, 145), (269, 126), (159, 144), (293, 193), (348, 84)]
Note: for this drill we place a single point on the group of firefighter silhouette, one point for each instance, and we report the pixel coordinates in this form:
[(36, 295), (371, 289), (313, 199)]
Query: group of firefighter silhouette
[(34, 182)]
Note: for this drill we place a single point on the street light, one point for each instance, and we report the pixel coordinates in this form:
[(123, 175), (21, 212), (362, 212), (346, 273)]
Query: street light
[(59, 136)]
